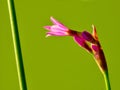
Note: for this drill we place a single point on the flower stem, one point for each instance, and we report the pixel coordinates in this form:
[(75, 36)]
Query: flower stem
[(17, 48), (107, 80)]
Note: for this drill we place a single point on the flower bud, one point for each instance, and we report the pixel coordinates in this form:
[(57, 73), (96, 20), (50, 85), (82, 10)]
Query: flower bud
[(88, 37), (99, 57)]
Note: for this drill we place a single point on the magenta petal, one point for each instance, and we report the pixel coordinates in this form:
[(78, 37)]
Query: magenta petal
[(79, 40), (47, 27), (57, 23), (95, 47)]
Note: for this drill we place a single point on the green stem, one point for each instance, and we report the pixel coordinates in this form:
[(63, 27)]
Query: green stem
[(17, 48), (107, 80)]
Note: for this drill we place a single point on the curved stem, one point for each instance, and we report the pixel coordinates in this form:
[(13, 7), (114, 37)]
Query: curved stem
[(17, 48), (107, 80)]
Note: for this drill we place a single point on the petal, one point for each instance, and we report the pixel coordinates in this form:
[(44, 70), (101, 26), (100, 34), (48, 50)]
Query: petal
[(48, 35), (79, 40), (47, 27), (95, 48), (57, 28), (56, 34), (54, 21)]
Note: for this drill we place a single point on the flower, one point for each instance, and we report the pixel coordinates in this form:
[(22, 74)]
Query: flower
[(86, 40), (81, 38), (58, 29)]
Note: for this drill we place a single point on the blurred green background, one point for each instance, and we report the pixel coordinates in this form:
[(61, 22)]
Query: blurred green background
[(58, 63)]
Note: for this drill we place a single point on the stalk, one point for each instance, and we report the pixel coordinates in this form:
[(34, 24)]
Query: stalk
[(107, 80), (17, 47)]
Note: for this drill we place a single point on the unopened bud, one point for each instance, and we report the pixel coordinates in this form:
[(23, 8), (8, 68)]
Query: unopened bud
[(88, 37)]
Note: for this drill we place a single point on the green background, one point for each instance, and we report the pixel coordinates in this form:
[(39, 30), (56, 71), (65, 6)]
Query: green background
[(58, 63)]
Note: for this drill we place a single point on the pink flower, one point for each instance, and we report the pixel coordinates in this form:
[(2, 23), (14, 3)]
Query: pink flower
[(86, 40), (58, 29), (81, 38)]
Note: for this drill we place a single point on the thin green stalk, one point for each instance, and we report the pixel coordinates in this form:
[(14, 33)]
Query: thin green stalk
[(17, 48), (107, 80)]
